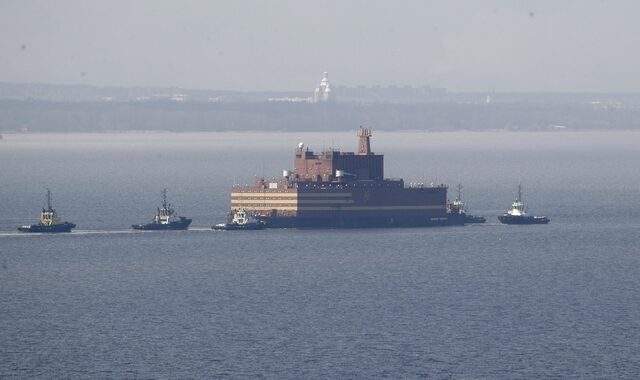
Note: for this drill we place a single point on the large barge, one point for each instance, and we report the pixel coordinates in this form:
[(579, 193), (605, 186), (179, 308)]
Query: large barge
[(341, 190)]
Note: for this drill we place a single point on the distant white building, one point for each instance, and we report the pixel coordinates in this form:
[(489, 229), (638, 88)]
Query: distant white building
[(322, 93), (180, 98)]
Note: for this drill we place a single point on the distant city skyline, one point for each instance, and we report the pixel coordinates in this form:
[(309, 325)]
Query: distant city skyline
[(250, 45)]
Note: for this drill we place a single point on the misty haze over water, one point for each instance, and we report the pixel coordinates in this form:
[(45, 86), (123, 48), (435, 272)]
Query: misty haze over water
[(248, 65), (248, 45)]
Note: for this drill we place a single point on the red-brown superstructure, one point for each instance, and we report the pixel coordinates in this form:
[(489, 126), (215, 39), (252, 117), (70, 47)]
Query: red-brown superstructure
[(343, 189)]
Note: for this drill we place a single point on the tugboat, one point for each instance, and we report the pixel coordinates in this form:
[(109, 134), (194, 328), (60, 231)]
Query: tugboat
[(240, 220), (49, 221), (459, 206), (164, 218), (518, 215)]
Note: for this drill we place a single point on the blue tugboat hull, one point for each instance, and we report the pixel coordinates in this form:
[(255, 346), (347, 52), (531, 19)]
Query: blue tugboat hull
[(181, 224), (474, 219), (508, 219), (238, 227), (64, 227)]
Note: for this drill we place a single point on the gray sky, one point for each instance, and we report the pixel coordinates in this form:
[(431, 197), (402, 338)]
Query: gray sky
[(493, 45)]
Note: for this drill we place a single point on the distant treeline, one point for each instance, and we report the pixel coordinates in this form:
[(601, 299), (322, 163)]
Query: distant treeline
[(47, 116)]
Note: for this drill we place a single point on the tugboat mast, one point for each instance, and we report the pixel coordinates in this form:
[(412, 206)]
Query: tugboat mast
[(48, 199), (164, 198), (519, 193)]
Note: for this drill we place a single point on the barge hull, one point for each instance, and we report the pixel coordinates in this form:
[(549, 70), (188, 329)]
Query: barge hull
[(357, 222)]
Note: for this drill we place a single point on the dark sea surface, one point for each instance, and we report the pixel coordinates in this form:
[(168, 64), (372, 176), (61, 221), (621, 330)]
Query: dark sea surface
[(481, 301)]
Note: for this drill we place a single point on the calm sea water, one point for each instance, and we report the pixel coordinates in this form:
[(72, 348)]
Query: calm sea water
[(480, 301)]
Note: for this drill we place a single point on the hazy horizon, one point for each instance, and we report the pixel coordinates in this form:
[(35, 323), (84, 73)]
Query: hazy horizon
[(463, 46)]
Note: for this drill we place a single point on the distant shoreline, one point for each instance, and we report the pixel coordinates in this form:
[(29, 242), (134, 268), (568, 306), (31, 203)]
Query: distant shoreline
[(319, 133), (49, 116)]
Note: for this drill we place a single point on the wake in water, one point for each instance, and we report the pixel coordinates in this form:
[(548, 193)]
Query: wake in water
[(94, 232)]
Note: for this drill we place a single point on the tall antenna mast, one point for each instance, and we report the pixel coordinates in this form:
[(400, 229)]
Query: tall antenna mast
[(48, 199), (519, 192), (164, 198)]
